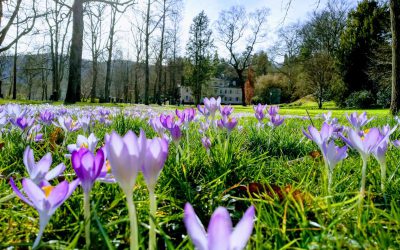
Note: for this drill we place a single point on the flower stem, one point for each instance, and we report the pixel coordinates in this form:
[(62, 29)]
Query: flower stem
[(134, 241), (362, 189), (363, 179), (153, 210), (43, 220), (86, 207), (383, 180)]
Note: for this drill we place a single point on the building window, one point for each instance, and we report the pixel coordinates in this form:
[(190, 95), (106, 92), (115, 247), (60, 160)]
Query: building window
[(237, 99), (230, 98), (220, 91), (225, 91), (187, 98), (225, 98), (230, 91)]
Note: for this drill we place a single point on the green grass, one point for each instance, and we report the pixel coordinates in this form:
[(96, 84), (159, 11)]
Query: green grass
[(279, 157)]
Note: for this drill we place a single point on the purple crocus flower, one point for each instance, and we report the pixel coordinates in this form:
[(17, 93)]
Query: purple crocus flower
[(23, 122), (168, 121), (67, 124), (3, 122), (126, 156), (220, 234), (39, 171), (358, 121), (212, 104), (156, 153), (226, 110), (327, 117), (33, 133), (273, 110), (333, 154), (85, 123), (206, 143), (84, 142), (186, 116), (157, 126), (380, 151), (45, 199), (366, 144), (46, 117), (87, 166), (276, 121), (229, 123), (259, 112), (319, 137), (204, 126), (62, 111), (203, 110), (176, 133)]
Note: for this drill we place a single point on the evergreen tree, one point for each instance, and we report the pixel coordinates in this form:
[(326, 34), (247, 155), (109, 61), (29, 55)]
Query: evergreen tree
[(367, 28), (199, 67)]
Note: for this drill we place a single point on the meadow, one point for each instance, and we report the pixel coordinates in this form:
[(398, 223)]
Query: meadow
[(266, 162)]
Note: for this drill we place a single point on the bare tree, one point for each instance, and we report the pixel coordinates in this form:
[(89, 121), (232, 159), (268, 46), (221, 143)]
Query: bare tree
[(110, 45), (159, 61), (173, 37), (137, 30), (148, 32), (288, 48), (75, 59), (320, 73), (95, 14), (31, 69), (231, 26), (22, 17), (324, 30), (25, 22), (58, 20)]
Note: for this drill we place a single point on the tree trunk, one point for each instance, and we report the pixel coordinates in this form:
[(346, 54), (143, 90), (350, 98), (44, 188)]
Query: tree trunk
[(241, 83), (30, 83), (136, 81), (147, 70), (14, 92), (94, 82), (395, 22), (75, 59), (109, 59), (161, 54)]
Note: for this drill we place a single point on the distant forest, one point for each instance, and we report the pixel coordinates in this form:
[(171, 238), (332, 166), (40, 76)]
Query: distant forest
[(343, 52)]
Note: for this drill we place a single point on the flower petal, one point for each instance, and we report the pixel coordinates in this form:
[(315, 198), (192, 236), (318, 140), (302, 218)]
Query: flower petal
[(243, 230), (356, 142), (55, 172), (42, 167), (34, 193), (29, 160), (219, 230), (18, 193), (194, 228), (57, 195)]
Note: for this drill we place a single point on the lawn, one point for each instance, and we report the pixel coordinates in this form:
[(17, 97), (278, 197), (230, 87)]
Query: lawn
[(276, 169)]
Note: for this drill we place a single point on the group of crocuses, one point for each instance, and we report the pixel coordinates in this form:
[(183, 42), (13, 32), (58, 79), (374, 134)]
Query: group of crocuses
[(120, 160), (367, 142)]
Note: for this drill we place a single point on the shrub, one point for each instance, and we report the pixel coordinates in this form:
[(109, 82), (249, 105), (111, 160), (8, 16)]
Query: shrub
[(383, 97), (360, 99)]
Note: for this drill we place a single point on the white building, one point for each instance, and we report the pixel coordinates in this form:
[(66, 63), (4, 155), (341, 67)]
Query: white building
[(228, 91)]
